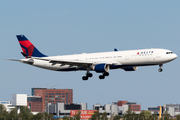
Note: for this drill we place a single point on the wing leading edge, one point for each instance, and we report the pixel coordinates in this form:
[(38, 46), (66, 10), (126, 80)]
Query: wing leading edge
[(78, 62)]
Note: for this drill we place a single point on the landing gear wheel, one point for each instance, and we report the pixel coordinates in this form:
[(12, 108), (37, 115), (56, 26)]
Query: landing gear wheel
[(89, 74), (101, 77), (85, 78), (160, 69), (106, 74)]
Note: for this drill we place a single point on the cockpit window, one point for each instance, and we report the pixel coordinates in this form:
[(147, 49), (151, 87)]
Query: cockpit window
[(169, 52)]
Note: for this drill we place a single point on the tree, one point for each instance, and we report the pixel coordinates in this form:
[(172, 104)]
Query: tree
[(25, 113), (145, 115), (177, 117), (3, 113), (13, 114), (166, 116), (129, 115), (4, 116), (96, 115), (38, 116), (104, 116), (25, 110), (116, 117), (2, 108), (77, 116), (50, 116), (67, 118), (154, 116)]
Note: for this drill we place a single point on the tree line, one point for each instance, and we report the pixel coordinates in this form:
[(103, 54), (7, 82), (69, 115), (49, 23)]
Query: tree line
[(25, 114), (129, 115)]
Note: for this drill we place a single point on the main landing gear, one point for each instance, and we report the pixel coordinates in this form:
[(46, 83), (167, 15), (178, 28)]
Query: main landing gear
[(103, 75), (160, 68), (88, 74)]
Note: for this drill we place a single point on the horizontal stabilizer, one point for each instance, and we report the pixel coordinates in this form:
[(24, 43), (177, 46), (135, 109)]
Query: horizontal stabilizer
[(13, 60)]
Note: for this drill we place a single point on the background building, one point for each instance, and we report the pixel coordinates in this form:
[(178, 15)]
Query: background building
[(53, 96), (175, 106), (110, 109), (173, 109), (19, 100), (125, 105), (35, 103), (121, 103), (154, 110), (61, 109), (8, 105), (134, 106)]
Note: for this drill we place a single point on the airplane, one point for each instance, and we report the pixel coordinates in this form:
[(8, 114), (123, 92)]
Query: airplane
[(100, 62)]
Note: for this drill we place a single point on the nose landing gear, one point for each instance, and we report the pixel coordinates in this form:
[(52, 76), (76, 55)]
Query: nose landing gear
[(160, 68)]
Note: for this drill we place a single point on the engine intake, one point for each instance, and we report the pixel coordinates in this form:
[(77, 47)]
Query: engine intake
[(130, 68), (99, 68)]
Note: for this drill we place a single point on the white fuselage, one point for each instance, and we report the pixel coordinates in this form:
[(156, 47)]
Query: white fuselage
[(116, 59)]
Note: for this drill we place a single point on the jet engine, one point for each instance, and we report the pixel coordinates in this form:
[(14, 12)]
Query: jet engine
[(100, 68), (130, 68)]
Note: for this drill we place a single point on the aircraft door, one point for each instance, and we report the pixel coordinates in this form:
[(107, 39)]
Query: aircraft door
[(158, 55), (127, 57)]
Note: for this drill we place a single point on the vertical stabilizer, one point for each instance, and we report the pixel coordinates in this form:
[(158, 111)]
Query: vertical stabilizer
[(28, 48)]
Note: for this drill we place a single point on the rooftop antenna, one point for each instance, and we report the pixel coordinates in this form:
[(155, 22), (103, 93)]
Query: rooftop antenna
[(54, 86)]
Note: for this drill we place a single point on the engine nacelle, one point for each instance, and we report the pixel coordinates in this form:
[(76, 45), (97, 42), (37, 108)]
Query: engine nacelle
[(100, 68), (130, 68)]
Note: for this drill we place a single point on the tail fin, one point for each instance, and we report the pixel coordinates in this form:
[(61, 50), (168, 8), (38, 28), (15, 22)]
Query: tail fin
[(28, 48)]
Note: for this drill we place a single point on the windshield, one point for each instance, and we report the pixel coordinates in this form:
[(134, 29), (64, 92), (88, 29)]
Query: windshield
[(169, 52)]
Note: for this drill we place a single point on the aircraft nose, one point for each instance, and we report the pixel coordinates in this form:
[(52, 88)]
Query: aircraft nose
[(175, 56)]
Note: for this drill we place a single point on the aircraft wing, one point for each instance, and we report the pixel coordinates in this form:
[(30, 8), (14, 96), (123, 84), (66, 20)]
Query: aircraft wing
[(82, 63)]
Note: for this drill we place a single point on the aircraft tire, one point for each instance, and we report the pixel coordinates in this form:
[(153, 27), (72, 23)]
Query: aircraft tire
[(89, 75), (106, 74), (85, 78), (160, 69), (101, 77)]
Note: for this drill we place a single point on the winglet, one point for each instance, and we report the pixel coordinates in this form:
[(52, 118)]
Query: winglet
[(29, 50)]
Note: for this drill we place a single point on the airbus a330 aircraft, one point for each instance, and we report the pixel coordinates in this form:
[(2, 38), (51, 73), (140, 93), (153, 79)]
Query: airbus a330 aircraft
[(99, 62)]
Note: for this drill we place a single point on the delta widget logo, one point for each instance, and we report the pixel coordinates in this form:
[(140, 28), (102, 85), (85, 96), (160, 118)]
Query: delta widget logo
[(145, 53)]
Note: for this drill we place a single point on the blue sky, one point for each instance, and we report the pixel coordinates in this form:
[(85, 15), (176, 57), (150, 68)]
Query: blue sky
[(67, 27)]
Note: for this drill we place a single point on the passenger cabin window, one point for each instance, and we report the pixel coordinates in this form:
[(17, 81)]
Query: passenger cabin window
[(169, 52)]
